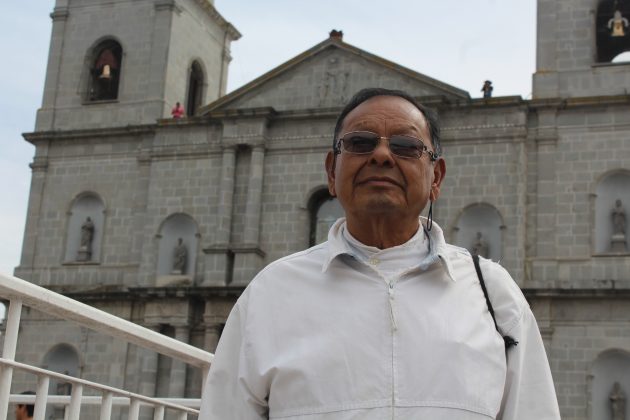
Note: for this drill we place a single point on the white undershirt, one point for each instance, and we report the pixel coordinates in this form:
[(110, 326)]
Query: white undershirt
[(390, 261)]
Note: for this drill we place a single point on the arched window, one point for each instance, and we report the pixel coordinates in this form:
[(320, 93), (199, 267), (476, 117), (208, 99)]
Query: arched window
[(324, 210), (610, 382), (612, 29), (178, 246), (195, 88), (105, 67), (62, 358), (479, 229), (612, 202), (85, 229)]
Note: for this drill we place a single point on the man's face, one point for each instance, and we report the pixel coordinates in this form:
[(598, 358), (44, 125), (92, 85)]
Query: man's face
[(381, 182)]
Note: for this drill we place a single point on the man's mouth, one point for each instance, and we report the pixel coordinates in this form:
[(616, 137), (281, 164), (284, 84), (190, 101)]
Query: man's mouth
[(380, 181)]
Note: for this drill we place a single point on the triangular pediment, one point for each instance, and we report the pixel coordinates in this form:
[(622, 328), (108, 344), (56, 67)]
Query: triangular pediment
[(327, 76)]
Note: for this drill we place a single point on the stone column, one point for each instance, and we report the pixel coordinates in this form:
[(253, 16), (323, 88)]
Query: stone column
[(217, 259), (39, 169), (248, 257), (46, 114), (177, 386), (254, 196), (212, 335)]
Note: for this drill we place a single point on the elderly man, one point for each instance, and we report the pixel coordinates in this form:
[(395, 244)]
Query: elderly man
[(384, 320)]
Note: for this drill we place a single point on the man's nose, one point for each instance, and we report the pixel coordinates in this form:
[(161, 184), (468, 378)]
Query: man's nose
[(382, 155)]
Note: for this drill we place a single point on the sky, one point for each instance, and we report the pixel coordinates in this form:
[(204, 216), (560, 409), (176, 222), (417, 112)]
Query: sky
[(460, 42)]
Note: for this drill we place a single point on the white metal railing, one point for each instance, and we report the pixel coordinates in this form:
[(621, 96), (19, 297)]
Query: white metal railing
[(19, 292)]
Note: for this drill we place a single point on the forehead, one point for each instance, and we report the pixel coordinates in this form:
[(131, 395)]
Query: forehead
[(385, 113)]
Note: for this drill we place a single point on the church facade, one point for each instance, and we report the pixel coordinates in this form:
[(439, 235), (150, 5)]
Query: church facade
[(163, 221)]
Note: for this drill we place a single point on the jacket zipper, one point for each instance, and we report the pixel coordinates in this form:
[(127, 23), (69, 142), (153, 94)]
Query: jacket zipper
[(392, 314)]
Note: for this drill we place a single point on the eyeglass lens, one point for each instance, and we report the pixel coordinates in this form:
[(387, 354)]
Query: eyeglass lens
[(365, 142)]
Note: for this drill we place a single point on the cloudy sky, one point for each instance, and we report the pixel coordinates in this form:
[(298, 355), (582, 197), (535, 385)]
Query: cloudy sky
[(458, 42)]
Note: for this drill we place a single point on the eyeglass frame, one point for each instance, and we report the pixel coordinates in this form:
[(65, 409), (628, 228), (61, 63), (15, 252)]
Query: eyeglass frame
[(424, 149)]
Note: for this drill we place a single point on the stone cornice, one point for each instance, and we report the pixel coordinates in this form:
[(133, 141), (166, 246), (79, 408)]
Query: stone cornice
[(38, 136), (60, 13), (560, 293), (216, 16)]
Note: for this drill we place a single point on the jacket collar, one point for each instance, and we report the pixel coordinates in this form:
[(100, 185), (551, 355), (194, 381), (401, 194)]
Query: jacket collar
[(438, 250)]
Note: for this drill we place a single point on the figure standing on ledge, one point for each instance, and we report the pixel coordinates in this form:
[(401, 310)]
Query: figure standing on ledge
[(617, 403), (87, 235), (180, 256), (480, 246), (178, 111), (487, 89)]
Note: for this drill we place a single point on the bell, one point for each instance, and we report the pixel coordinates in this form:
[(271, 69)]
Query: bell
[(618, 29), (617, 24), (106, 73)]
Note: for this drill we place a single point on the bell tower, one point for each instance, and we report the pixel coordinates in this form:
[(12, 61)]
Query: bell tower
[(128, 62), (582, 48)]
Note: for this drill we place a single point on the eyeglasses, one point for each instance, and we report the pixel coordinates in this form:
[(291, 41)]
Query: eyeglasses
[(365, 142)]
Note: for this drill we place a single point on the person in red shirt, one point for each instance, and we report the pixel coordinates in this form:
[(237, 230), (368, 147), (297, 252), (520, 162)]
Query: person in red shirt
[(177, 111)]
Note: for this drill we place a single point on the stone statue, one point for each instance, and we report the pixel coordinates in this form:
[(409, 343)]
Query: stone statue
[(618, 239), (619, 218), (87, 236), (180, 257), (617, 402), (480, 246)]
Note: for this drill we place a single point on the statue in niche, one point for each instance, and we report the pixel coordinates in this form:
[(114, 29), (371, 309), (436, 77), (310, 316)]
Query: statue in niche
[(480, 246), (180, 257), (87, 236), (618, 239), (617, 402)]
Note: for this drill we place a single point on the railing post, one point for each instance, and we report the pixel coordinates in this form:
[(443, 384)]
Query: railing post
[(75, 402), (182, 416), (8, 352), (134, 410), (158, 413), (106, 406), (41, 398)]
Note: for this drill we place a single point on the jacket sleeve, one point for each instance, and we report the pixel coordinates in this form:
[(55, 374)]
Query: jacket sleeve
[(231, 390), (529, 392)]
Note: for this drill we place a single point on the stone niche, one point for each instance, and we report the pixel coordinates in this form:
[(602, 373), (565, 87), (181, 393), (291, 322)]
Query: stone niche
[(177, 251), (479, 228), (612, 204), (610, 386), (85, 229)]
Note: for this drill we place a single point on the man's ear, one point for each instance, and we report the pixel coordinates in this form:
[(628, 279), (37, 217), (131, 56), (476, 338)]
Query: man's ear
[(331, 160), (439, 171)]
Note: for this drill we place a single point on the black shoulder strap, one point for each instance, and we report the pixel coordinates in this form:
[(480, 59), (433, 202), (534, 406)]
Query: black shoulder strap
[(509, 341)]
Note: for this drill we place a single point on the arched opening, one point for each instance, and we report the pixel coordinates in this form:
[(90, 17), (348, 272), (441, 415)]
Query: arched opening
[(64, 359), (105, 68), (479, 229), (85, 229), (612, 27), (612, 198), (178, 246), (324, 211), (195, 88)]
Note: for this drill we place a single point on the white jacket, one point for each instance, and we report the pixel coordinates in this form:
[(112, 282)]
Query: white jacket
[(322, 335)]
